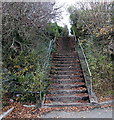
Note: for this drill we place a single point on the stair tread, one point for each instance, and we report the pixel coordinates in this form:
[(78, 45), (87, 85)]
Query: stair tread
[(67, 83), (63, 102), (68, 75), (63, 79), (72, 89), (59, 60), (66, 66), (65, 53), (79, 94), (55, 59), (81, 103), (70, 67), (66, 86), (77, 83), (68, 63), (68, 96), (72, 63), (71, 71), (49, 102), (66, 57)]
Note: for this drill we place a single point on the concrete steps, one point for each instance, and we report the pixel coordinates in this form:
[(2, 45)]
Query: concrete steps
[(67, 83)]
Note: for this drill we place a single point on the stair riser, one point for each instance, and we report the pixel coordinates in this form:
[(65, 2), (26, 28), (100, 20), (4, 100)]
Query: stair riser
[(76, 56), (66, 60), (70, 99), (65, 57), (66, 81), (56, 62), (79, 103), (63, 54), (67, 92), (66, 73), (66, 68), (72, 54), (66, 77), (66, 65), (66, 87)]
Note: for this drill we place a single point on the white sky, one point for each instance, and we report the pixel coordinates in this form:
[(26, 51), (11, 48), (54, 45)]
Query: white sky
[(65, 14), (67, 3)]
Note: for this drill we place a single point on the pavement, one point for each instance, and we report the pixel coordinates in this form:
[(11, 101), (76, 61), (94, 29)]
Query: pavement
[(95, 113)]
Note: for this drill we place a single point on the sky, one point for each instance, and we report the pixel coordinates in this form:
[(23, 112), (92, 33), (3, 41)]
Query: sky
[(65, 14), (66, 3)]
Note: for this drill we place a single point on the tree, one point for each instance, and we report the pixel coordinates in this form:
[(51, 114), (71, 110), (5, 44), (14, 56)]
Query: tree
[(92, 23), (21, 21), (25, 45)]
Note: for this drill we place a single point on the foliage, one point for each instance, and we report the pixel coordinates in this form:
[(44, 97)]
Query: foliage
[(24, 74), (54, 30), (23, 23), (25, 47), (101, 68), (94, 28)]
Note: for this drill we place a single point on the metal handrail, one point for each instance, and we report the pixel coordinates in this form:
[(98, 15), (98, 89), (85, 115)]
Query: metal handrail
[(51, 44), (90, 74), (46, 63)]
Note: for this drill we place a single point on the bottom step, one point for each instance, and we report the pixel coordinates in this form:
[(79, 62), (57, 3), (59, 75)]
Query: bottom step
[(65, 102), (59, 104)]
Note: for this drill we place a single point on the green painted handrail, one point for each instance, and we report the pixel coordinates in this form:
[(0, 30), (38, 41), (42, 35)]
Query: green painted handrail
[(89, 71)]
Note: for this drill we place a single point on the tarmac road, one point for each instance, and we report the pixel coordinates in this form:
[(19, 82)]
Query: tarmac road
[(96, 113)]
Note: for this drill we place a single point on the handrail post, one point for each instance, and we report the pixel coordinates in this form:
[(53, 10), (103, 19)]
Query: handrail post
[(40, 95), (91, 91)]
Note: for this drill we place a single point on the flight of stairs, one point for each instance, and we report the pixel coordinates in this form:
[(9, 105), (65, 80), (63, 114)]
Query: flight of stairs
[(67, 83)]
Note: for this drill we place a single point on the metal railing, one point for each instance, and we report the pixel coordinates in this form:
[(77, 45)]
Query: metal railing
[(52, 45), (47, 63), (85, 67)]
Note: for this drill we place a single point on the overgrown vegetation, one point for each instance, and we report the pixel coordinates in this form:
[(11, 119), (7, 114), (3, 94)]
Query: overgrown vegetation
[(27, 32), (93, 25)]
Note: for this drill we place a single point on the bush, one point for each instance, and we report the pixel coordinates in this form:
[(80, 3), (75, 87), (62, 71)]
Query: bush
[(24, 74)]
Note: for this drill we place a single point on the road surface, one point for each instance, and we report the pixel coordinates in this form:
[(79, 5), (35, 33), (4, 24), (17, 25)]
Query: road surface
[(96, 113)]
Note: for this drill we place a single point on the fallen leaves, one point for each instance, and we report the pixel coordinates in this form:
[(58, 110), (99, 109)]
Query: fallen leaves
[(79, 95), (102, 99), (25, 112), (20, 111)]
